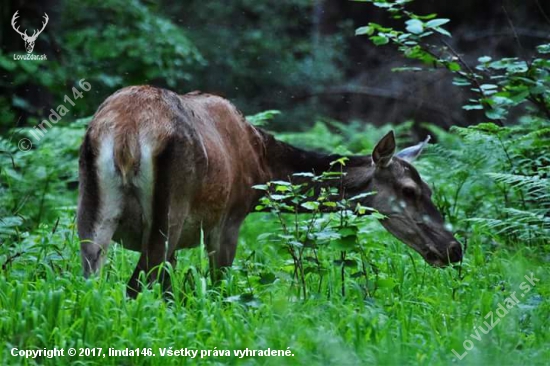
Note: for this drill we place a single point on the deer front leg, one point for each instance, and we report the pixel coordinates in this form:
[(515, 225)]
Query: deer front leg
[(222, 248), (160, 250)]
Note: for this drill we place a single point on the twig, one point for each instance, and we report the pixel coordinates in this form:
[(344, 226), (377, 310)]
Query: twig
[(10, 156), (377, 93), (10, 259), (472, 36), (532, 98), (343, 272), (471, 72), (544, 15), (516, 37)]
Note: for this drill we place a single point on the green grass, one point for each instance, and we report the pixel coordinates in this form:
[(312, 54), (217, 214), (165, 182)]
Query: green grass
[(408, 313), (402, 312)]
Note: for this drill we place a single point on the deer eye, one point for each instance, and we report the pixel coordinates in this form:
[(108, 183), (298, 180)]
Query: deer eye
[(409, 192)]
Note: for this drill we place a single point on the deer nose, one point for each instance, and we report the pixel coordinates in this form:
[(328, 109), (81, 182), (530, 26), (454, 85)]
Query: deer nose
[(455, 252)]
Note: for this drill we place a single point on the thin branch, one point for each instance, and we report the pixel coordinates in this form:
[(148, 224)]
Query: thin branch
[(516, 37), (10, 156), (378, 93), (544, 15), (472, 36), (471, 72), (532, 98), (10, 260)]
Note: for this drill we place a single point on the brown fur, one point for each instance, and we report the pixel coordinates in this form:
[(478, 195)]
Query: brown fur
[(205, 158)]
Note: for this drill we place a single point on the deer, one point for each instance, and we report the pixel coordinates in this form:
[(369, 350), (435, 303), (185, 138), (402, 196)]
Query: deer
[(158, 171), (29, 40)]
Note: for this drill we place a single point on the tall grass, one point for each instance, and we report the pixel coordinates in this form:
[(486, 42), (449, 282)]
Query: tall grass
[(400, 311)]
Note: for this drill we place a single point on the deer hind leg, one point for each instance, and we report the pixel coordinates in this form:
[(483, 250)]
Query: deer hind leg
[(100, 206), (162, 231)]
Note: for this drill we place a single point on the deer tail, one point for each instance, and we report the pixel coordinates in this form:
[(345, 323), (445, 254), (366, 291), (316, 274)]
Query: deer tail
[(126, 154)]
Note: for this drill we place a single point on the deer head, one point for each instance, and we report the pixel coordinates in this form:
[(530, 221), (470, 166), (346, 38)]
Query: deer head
[(405, 199), (29, 40)]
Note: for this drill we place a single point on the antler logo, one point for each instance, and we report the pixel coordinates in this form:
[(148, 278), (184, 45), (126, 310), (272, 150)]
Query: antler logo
[(29, 40)]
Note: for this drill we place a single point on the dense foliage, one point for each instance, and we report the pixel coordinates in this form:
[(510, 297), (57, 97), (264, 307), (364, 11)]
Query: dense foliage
[(352, 292), (334, 288), (113, 44)]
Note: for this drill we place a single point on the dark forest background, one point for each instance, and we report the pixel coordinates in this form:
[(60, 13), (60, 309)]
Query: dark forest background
[(297, 56)]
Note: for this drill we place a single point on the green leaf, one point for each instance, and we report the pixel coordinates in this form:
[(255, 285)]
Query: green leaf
[(348, 231), (262, 118), (414, 26), (427, 17), (8, 224), (281, 183), (442, 31), (383, 5), (484, 59), (247, 299), (362, 195), (379, 40), (345, 243), (495, 113), (341, 161), (280, 188), (470, 107), (487, 127), (386, 283), (521, 96), (437, 22), (402, 69), (311, 205), (461, 81), (488, 86), (296, 244), (267, 278), (364, 30), (499, 100), (453, 66), (378, 216), (310, 175)]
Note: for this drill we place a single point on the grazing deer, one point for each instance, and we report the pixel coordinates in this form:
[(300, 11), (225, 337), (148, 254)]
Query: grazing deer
[(157, 168)]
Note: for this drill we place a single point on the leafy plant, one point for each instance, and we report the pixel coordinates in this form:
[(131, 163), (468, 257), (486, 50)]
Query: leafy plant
[(305, 236), (498, 85)]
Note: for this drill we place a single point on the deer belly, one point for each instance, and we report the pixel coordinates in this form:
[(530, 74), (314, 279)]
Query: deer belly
[(130, 230)]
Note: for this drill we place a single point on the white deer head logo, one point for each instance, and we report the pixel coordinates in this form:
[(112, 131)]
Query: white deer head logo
[(29, 40)]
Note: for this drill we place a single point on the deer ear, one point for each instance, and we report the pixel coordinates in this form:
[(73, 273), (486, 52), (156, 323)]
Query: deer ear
[(383, 151), (411, 153)]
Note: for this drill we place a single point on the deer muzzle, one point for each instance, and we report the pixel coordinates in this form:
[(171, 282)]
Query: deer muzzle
[(452, 254)]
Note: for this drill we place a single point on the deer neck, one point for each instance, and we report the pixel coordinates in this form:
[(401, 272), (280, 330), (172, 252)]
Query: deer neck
[(283, 160)]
